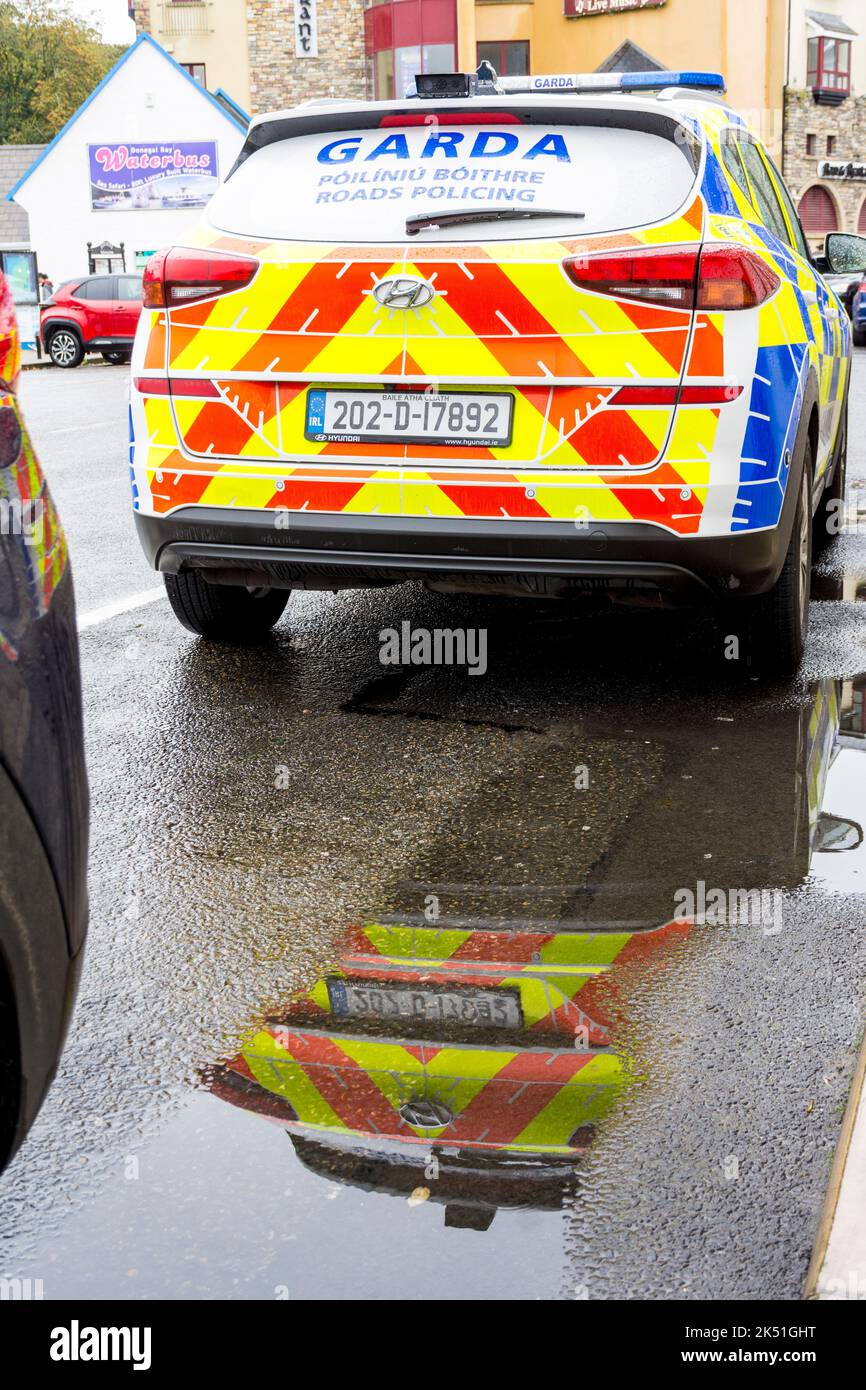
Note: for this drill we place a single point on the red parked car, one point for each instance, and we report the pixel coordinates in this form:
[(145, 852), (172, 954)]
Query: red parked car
[(97, 313)]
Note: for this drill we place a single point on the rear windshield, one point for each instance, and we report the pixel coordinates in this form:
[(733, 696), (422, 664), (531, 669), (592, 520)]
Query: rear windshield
[(362, 185)]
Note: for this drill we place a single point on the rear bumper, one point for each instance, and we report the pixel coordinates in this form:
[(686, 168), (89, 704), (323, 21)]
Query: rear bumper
[(341, 551)]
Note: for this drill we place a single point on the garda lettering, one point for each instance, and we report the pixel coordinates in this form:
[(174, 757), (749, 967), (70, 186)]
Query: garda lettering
[(446, 144)]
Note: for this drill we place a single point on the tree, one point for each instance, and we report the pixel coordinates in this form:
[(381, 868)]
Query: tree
[(50, 61)]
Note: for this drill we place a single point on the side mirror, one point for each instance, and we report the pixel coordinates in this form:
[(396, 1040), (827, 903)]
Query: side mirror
[(836, 834), (845, 253)]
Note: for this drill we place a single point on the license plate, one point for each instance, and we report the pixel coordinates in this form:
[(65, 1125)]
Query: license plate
[(481, 1008), (410, 417)]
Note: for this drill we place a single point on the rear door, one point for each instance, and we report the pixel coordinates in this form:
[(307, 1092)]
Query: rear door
[(97, 295), (127, 309), (820, 307), (525, 358)]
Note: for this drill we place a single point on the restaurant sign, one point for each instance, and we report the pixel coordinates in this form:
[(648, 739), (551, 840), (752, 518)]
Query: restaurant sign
[(841, 169), (582, 9)]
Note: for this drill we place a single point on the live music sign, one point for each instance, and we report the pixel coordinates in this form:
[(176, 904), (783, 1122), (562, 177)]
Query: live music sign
[(582, 9)]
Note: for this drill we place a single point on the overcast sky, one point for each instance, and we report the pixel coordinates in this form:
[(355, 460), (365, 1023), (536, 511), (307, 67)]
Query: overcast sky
[(108, 16)]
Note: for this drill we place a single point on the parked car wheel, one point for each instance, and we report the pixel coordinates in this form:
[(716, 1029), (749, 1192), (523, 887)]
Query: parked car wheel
[(224, 612), (779, 619), (860, 337), (65, 349), (117, 359)]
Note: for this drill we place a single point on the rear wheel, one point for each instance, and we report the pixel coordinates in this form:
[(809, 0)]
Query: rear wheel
[(860, 337), (64, 348), (779, 620), (224, 612), (116, 358)]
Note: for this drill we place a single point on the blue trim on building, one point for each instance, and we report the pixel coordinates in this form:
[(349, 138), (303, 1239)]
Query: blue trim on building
[(239, 123)]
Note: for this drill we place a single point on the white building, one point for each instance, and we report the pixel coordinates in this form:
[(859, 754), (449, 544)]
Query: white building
[(131, 167)]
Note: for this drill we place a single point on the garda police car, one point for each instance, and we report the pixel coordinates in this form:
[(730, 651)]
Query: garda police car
[(540, 334)]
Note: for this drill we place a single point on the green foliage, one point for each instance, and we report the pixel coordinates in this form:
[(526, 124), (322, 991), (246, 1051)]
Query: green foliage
[(50, 61)]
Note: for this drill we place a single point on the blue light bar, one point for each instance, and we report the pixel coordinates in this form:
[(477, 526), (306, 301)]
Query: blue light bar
[(710, 81), (613, 82)]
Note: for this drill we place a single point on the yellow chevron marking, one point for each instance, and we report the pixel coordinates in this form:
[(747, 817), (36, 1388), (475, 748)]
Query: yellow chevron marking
[(691, 444), (567, 504), (224, 491), (381, 494), (421, 497), (277, 1071), (577, 1102), (617, 349)]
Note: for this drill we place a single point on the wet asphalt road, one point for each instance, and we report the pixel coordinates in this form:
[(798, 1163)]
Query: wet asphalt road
[(251, 806)]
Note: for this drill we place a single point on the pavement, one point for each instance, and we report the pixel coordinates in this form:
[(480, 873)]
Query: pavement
[(253, 810)]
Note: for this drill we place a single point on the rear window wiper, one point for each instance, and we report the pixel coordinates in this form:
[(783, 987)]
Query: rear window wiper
[(414, 225)]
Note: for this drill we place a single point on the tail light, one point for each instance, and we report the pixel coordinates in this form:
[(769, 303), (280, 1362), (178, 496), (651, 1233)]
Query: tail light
[(182, 276), (176, 386), (731, 277), (676, 395), (716, 278), (653, 277)]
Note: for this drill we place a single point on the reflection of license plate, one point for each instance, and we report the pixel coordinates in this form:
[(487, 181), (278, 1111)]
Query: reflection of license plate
[(480, 1008), (410, 417)]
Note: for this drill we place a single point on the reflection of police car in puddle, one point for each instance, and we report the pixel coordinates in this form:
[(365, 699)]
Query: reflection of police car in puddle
[(478, 1056), (469, 1056)]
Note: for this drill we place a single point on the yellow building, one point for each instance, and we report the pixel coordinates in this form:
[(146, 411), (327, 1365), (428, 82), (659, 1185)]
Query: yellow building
[(798, 75), (744, 39)]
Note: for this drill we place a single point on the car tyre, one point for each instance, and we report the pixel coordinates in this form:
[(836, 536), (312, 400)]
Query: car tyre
[(117, 359), (860, 337), (65, 348), (779, 620), (224, 612)]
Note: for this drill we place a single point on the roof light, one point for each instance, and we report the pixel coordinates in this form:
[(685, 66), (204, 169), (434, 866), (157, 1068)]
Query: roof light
[(613, 82)]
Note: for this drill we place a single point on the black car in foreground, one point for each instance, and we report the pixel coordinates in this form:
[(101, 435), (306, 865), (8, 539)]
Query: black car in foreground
[(43, 784)]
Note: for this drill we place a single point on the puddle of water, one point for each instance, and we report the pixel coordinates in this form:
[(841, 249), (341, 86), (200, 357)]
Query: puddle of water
[(468, 1040)]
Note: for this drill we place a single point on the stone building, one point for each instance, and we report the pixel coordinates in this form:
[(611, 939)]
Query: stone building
[(824, 154), (263, 54)]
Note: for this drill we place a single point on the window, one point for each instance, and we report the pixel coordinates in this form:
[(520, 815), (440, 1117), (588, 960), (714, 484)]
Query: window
[(829, 66), (799, 243), (509, 59), (831, 144), (811, 144), (383, 75), (196, 70), (277, 192), (129, 287), (102, 287), (733, 163), (438, 57), (764, 194), (818, 212)]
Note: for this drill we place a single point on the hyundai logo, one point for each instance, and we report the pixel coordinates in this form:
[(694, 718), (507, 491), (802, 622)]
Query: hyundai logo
[(403, 292), (426, 1114)]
